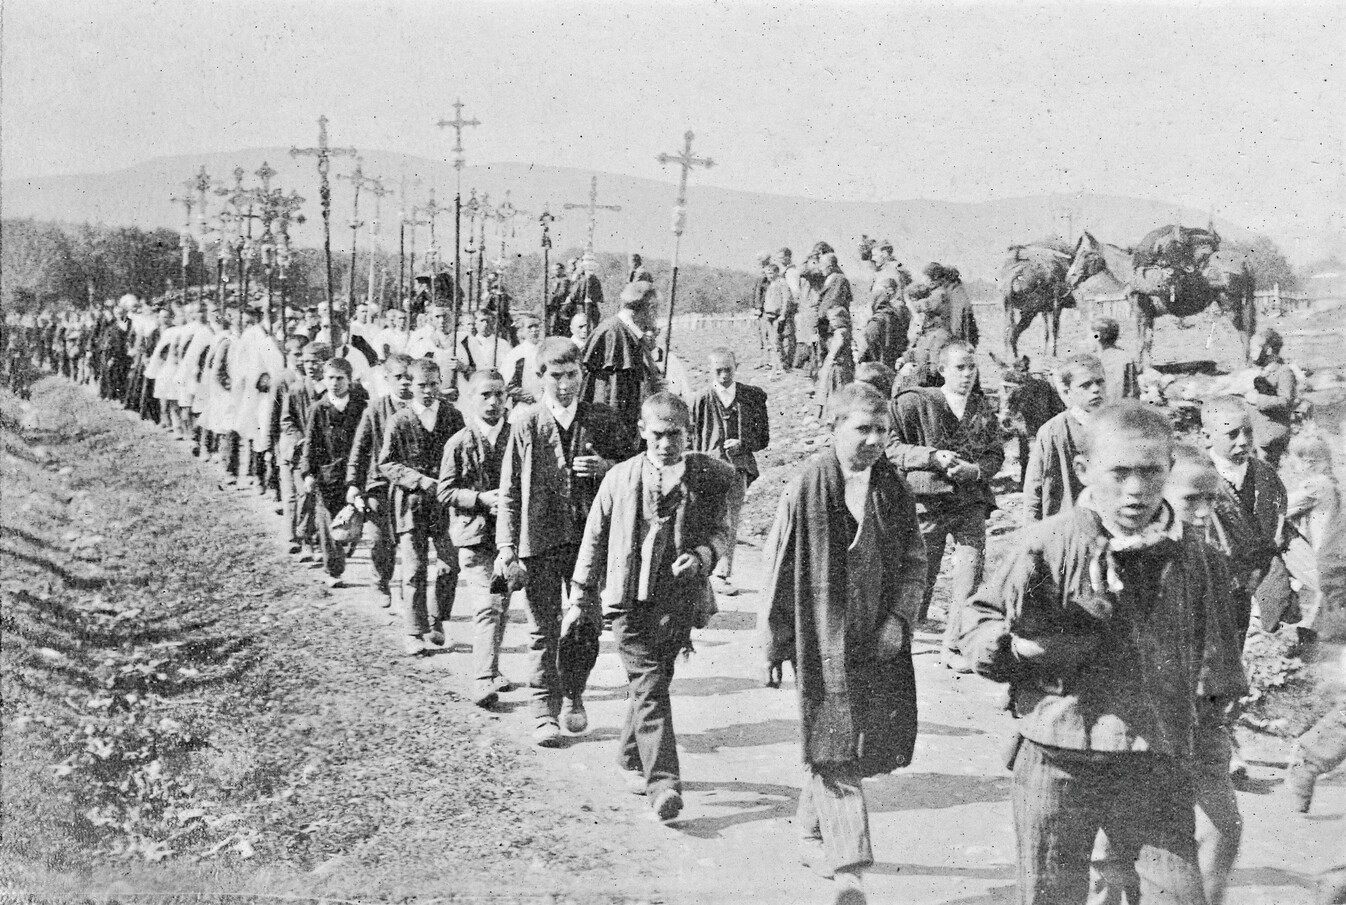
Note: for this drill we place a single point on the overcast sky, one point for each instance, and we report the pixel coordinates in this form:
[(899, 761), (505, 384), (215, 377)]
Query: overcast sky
[(1239, 107)]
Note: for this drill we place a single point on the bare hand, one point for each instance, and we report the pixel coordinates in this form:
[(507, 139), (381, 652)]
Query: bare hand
[(573, 617), (308, 484), (945, 459), (962, 472), (589, 466), (687, 565), (490, 499), (732, 447), (1056, 650), (355, 497)]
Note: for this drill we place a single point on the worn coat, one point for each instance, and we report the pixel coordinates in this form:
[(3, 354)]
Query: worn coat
[(542, 505), (925, 424), (410, 461), (363, 471), (469, 468), (857, 702), (618, 370), (1145, 649), (609, 555), (712, 424), (1050, 482)]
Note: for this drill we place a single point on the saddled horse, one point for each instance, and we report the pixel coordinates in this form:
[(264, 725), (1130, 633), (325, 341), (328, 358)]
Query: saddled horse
[(1034, 281), (1179, 291)]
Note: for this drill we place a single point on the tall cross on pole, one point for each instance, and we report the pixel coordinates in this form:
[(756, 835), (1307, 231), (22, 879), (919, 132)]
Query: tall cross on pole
[(593, 207), (325, 152), (545, 221), (506, 213), (185, 240), (358, 180), (457, 124), (686, 161), (379, 191)]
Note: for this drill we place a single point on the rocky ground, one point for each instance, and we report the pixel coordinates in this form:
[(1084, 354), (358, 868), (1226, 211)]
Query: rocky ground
[(189, 714)]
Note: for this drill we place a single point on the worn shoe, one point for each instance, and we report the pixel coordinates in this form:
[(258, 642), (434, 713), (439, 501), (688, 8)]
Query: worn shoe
[(849, 892), (957, 662), (547, 734), (667, 805), (335, 583), (634, 781), (483, 693), (435, 637), (294, 548), (1299, 785), (722, 586), (573, 715), (503, 685), (812, 856), (413, 646)]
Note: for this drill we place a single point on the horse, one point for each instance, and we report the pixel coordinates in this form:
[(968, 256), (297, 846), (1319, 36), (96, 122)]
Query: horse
[(1182, 292), (1032, 281)]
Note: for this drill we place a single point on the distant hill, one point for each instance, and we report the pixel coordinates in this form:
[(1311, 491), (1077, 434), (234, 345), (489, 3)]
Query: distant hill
[(726, 228)]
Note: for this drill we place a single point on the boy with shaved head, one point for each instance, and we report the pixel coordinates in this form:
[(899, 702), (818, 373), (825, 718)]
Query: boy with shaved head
[(656, 530), (1105, 625)]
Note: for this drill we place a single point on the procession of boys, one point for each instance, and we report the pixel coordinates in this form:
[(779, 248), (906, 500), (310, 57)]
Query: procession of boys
[(556, 463)]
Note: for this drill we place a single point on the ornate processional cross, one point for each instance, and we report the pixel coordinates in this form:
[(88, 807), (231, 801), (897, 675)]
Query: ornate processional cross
[(593, 207)]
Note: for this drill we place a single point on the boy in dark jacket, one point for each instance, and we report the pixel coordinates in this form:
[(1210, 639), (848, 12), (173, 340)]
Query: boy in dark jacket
[(947, 442), (328, 439), (557, 454), (412, 453), (1051, 483), (469, 485), (366, 485)]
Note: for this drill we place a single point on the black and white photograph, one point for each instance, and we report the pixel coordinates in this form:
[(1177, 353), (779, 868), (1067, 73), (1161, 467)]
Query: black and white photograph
[(407, 407)]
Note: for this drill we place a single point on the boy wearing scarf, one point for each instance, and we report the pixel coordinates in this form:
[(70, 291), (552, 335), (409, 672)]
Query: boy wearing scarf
[(668, 507), (1107, 627)]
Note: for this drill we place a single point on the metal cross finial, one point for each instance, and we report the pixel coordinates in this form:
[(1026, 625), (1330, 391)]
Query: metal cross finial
[(264, 173), (457, 124), (546, 219), (593, 207), (325, 152), (686, 160)]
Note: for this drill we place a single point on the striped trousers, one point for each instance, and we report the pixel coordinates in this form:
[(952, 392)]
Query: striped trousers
[(832, 810)]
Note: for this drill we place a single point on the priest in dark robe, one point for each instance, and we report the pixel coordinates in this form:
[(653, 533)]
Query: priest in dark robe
[(618, 368)]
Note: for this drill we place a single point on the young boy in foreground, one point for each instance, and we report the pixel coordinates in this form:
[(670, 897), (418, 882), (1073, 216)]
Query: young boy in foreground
[(469, 485), (1191, 489), (845, 585), (657, 528), (1104, 625)]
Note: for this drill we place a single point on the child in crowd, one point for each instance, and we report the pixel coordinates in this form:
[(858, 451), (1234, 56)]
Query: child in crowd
[(412, 454), (1119, 368), (1314, 504), (1050, 482), (846, 576), (328, 440), (469, 484), (556, 455), (656, 530)]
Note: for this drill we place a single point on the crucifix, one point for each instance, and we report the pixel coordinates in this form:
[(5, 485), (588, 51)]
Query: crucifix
[(457, 124), (200, 184), (238, 197), (506, 213), (358, 180), (325, 152), (593, 207), (686, 161)]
